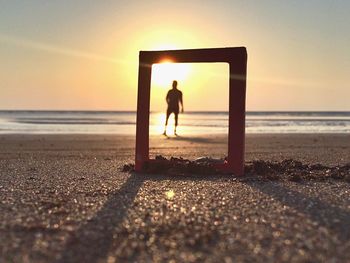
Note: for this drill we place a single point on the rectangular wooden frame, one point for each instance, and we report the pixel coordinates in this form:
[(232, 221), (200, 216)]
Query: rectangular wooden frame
[(236, 57)]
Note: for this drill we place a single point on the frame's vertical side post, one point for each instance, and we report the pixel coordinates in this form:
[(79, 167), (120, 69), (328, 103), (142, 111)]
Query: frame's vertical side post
[(142, 118), (237, 97)]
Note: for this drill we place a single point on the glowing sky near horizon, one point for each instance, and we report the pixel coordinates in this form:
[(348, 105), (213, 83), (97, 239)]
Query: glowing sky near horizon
[(83, 55)]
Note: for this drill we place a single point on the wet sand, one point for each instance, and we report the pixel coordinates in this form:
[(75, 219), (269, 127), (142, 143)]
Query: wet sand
[(64, 199)]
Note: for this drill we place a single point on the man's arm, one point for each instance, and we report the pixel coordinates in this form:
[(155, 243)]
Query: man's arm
[(167, 98)]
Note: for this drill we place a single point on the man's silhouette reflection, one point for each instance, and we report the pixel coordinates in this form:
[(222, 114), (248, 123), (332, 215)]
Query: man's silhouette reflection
[(173, 98)]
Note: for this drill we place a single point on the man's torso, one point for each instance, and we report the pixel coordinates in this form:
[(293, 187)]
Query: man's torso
[(174, 97)]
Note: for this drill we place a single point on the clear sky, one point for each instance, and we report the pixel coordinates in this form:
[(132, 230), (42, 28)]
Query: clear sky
[(83, 55)]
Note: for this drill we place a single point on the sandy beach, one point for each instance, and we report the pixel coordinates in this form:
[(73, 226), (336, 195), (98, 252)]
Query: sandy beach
[(64, 198)]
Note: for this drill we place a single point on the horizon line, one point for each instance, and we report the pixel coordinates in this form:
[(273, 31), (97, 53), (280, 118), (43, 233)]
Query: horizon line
[(134, 111)]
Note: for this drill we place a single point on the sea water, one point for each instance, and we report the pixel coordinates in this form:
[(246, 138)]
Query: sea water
[(124, 122)]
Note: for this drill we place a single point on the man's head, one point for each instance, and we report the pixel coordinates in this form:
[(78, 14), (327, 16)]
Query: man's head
[(174, 84)]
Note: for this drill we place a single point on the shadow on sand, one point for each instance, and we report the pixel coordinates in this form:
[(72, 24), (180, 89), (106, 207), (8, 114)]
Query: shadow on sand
[(335, 219), (93, 240)]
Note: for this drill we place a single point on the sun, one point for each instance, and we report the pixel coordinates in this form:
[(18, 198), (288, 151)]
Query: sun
[(165, 72)]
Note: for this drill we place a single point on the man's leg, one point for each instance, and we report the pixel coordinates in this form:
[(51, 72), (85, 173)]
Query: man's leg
[(176, 118), (166, 120)]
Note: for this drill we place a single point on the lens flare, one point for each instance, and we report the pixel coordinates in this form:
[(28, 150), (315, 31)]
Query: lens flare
[(170, 194), (48, 47)]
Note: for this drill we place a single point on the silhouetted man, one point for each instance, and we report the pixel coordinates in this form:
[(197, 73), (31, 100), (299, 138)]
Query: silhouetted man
[(173, 98)]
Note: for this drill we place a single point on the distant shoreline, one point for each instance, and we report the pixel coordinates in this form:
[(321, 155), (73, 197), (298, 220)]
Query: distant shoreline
[(195, 111), (193, 122)]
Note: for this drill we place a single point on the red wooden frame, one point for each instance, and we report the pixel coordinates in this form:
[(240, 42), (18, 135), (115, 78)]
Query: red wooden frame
[(236, 57)]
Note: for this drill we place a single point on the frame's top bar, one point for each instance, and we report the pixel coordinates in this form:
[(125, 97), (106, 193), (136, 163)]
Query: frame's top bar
[(227, 54)]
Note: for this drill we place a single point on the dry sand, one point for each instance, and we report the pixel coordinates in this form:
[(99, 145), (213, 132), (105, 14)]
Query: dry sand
[(64, 199)]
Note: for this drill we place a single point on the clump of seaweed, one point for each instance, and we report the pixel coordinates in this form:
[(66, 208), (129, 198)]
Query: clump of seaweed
[(289, 169)]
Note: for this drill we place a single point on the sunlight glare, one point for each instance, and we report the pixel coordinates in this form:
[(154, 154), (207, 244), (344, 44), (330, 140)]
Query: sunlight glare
[(165, 72)]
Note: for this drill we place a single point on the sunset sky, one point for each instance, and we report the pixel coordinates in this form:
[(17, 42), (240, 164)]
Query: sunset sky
[(83, 55)]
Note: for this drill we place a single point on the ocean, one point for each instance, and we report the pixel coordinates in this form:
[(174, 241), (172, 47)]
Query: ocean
[(123, 122)]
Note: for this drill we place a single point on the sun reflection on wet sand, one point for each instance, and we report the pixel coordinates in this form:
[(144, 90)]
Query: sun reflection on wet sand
[(158, 124)]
